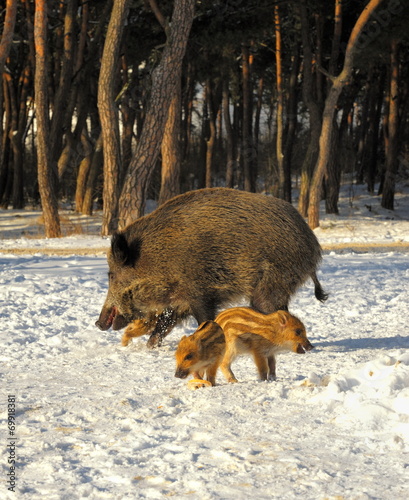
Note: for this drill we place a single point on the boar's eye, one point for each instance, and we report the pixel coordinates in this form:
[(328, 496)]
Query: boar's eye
[(110, 276), (189, 356), (298, 332)]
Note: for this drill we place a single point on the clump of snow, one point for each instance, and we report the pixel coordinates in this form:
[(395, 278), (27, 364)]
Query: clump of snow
[(374, 397)]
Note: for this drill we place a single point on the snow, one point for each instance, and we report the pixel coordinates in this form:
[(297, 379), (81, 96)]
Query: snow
[(97, 420)]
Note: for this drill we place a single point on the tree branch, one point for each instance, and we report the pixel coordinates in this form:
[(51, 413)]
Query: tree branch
[(158, 14)]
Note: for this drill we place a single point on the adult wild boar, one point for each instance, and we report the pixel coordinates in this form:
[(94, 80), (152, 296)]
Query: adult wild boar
[(203, 249)]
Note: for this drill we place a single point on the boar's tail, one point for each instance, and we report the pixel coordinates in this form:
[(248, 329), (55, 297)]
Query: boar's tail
[(320, 294)]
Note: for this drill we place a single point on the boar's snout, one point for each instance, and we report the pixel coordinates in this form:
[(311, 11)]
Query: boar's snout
[(106, 318), (304, 347), (100, 325), (181, 373), (110, 317)]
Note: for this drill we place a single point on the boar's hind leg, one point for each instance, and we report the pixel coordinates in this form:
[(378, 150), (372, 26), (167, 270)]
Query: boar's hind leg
[(205, 309), (165, 322), (267, 301)]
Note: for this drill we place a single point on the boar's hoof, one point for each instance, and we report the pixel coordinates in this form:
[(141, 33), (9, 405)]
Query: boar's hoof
[(154, 341)]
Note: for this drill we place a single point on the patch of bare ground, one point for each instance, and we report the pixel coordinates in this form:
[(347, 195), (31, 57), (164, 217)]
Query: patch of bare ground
[(397, 246), (55, 251)]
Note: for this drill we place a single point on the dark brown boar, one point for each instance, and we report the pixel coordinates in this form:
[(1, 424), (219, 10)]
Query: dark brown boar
[(203, 249)]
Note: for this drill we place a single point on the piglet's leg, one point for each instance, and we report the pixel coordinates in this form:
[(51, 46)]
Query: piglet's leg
[(271, 367), (262, 365), (137, 328), (226, 366), (211, 373)]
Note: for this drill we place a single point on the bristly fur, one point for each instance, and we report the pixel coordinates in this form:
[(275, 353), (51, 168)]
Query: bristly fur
[(263, 336), (204, 249), (201, 353)]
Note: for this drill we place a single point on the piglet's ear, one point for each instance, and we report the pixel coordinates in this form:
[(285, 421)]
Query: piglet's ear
[(120, 248), (283, 318)]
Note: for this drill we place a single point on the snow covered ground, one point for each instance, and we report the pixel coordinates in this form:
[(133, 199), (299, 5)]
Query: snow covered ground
[(97, 420)]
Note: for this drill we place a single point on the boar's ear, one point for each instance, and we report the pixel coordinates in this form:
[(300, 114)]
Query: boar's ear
[(124, 253), (119, 248)]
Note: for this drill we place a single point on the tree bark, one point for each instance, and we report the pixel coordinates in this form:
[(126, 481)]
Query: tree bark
[(171, 150), (83, 172), (165, 78), (5, 171), (47, 193), (108, 112), (257, 118), (364, 123), (5, 45), (17, 138), (314, 112), (8, 32), (188, 111), (229, 135), (291, 122), (211, 139), (388, 193), (329, 111), (95, 169), (373, 136), (63, 91), (246, 142), (280, 103)]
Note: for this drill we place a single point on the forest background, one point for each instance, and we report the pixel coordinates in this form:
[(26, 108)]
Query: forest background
[(106, 103)]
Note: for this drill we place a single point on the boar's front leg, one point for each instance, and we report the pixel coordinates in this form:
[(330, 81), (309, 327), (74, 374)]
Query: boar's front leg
[(165, 322)]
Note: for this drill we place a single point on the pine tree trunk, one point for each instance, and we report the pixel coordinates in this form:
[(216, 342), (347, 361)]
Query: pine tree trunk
[(229, 135), (329, 112), (188, 112), (83, 172), (5, 44), (5, 168), (257, 118), (373, 137), (291, 122), (313, 107), (17, 139), (46, 186), (165, 78), (211, 139), (388, 193), (246, 142), (108, 112), (95, 169), (61, 99), (333, 175), (280, 104), (362, 131), (171, 150)]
